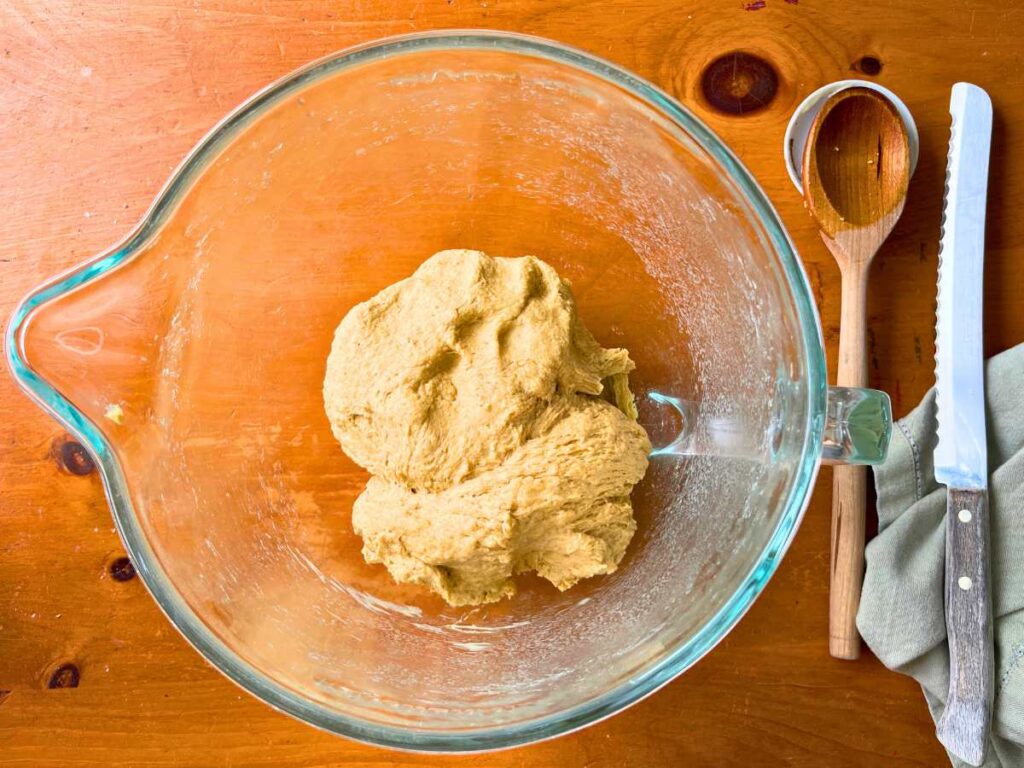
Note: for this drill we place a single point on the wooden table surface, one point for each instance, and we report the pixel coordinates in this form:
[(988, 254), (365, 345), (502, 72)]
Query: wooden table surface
[(100, 99)]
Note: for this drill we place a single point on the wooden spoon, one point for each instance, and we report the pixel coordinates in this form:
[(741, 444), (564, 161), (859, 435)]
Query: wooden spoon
[(856, 168)]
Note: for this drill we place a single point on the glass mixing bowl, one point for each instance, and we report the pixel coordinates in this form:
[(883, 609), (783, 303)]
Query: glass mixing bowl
[(189, 361)]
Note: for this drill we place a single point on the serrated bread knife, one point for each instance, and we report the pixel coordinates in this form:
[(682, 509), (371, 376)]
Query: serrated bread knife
[(961, 457)]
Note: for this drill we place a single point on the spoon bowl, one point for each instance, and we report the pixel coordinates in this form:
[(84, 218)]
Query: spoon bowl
[(857, 169)]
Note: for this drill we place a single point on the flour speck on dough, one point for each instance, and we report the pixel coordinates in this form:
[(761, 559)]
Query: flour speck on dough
[(472, 393)]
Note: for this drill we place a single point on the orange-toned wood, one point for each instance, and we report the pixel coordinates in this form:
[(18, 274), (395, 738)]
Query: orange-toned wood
[(100, 100), (856, 170)]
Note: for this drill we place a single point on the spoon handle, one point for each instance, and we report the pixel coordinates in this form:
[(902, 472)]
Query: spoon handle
[(849, 484)]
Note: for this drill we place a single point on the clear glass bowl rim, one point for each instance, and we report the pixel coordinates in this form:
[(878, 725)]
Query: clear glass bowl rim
[(673, 662)]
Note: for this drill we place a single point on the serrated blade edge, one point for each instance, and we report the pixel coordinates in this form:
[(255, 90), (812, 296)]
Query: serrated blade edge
[(961, 458)]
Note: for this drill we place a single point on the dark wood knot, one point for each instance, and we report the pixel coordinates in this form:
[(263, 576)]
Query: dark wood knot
[(739, 83), (869, 65), (75, 459), (64, 676), (122, 569)]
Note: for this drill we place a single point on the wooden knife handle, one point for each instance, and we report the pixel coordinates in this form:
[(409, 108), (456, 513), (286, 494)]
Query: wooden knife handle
[(964, 726)]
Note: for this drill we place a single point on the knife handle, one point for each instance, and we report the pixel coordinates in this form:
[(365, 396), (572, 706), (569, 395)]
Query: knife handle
[(964, 726)]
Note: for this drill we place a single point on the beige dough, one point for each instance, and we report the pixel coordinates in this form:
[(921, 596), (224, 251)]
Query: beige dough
[(472, 392)]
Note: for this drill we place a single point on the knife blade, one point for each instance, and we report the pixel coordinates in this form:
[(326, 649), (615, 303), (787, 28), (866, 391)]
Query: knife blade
[(961, 457)]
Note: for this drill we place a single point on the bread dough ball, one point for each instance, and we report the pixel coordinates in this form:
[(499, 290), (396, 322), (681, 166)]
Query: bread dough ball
[(471, 391)]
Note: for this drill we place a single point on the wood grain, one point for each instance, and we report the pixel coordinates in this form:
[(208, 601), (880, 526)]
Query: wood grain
[(101, 99), (856, 169), (849, 484), (967, 718)]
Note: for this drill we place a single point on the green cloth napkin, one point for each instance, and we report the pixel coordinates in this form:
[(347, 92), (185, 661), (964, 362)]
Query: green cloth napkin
[(901, 616)]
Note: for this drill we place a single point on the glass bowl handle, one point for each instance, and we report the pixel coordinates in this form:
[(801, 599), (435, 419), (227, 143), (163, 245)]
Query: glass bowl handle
[(858, 425)]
